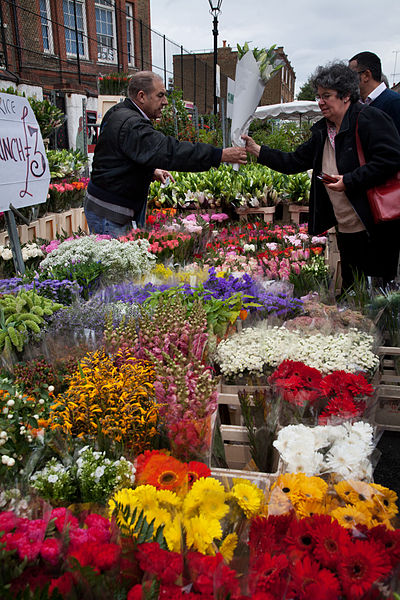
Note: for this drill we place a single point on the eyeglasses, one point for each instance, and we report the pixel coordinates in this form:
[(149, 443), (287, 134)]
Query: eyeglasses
[(324, 97)]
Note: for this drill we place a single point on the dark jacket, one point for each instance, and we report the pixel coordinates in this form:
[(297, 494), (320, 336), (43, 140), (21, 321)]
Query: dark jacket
[(381, 145), (389, 102), (129, 149)]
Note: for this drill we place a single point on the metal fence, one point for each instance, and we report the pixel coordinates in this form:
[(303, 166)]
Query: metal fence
[(70, 44)]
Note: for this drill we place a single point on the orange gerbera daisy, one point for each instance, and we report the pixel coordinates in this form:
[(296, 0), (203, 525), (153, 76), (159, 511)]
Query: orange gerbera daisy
[(162, 471)]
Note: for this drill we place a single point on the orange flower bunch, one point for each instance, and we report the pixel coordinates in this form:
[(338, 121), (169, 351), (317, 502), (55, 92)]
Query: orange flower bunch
[(165, 472), (112, 397)]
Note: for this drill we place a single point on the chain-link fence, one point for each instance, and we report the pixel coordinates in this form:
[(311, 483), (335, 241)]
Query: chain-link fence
[(69, 44)]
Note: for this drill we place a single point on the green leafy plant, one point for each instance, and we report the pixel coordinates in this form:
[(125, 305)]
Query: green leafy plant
[(66, 163), (48, 116)]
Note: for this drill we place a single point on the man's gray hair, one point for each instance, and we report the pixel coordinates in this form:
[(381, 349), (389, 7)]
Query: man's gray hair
[(142, 81)]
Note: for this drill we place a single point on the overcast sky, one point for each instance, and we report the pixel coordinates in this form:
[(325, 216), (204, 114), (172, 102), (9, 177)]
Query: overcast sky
[(312, 32)]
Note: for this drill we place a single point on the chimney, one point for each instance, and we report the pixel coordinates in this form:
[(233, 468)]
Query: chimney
[(224, 44)]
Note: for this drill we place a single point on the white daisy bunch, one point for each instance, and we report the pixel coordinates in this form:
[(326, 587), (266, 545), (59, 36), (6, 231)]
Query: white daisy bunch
[(54, 481), (125, 260), (262, 347), (342, 449), (98, 476)]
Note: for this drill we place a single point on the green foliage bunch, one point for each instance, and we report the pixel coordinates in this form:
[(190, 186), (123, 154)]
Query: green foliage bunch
[(22, 316), (66, 163), (175, 119)]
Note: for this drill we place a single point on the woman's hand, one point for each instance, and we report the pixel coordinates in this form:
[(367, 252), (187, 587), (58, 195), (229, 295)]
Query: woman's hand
[(338, 186), (162, 175), (251, 145), (234, 155)]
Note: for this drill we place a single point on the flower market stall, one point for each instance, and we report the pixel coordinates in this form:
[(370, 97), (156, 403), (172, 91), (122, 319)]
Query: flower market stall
[(186, 412)]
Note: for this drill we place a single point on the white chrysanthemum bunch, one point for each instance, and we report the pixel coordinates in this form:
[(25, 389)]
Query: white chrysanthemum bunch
[(260, 347), (342, 449), (124, 260)]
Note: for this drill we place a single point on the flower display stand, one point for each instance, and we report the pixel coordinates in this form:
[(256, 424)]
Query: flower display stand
[(296, 212), (387, 410), (266, 211)]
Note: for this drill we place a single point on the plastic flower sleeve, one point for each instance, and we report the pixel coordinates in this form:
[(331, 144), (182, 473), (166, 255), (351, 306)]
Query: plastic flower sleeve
[(253, 70)]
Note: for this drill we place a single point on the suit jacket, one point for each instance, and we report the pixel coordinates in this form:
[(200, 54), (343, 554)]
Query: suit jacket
[(381, 144), (389, 102)]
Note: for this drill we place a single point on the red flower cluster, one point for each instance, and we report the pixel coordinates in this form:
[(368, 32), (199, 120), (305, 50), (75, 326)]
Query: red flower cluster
[(208, 577), (52, 546), (317, 558), (342, 394)]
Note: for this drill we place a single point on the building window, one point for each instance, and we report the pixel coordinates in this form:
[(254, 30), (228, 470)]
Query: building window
[(70, 33), (129, 33), (45, 21), (105, 27)]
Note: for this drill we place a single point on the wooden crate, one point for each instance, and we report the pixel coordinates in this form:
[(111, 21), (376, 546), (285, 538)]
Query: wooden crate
[(233, 432), (387, 411)]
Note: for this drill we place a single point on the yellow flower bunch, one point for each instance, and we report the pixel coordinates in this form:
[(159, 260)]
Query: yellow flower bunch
[(114, 398), (350, 502), (195, 518), (162, 272), (198, 517)]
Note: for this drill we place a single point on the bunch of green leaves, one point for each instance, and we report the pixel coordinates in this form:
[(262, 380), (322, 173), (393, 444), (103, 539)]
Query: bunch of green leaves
[(260, 416), (66, 163), (48, 116), (385, 309), (297, 189), (314, 276)]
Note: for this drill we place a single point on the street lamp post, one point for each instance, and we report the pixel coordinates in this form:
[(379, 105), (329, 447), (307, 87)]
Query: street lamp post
[(215, 6)]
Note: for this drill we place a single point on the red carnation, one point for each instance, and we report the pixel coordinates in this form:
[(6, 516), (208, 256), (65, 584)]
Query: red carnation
[(50, 550), (63, 584), (8, 521)]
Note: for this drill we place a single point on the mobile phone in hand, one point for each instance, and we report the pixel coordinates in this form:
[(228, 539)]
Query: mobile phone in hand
[(325, 178)]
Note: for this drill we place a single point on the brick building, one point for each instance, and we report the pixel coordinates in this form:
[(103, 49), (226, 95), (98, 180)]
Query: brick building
[(198, 68), (65, 45)]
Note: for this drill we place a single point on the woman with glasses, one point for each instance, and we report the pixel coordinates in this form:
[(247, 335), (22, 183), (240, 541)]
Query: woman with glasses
[(338, 189)]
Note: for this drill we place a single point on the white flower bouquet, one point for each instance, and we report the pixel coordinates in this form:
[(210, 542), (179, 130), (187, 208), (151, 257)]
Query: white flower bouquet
[(123, 260), (256, 351), (341, 449), (253, 70)]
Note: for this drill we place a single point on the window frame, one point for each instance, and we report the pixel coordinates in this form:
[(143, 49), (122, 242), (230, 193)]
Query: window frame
[(48, 25), (130, 27), (82, 31), (108, 6)]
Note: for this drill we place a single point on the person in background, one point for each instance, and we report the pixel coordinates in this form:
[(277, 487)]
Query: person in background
[(373, 89), (365, 249), (130, 153)]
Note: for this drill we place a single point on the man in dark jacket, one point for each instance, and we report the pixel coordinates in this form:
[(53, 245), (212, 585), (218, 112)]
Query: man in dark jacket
[(130, 153), (373, 90)]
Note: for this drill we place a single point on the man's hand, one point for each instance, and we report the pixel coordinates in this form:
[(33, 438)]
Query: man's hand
[(251, 145), (162, 175), (338, 186), (234, 155)]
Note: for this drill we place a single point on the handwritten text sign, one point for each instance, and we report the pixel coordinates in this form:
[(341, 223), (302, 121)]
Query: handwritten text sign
[(24, 170)]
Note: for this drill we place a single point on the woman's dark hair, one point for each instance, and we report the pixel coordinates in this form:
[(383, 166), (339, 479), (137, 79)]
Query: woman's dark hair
[(339, 77)]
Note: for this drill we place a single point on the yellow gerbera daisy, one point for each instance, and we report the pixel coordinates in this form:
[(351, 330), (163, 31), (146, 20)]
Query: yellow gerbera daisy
[(248, 496), (388, 498), (353, 491), (207, 497), (350, 516), (173, 534), (228, 546), (310, 507), (201, 531)]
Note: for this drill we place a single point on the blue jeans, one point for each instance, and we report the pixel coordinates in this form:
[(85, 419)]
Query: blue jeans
[(101, 225)]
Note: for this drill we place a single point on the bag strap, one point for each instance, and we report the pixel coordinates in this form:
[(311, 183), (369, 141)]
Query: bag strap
[(360, 151)]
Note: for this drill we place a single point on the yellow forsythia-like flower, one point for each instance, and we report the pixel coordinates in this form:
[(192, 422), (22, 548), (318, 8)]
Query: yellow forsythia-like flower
[(115, 399)]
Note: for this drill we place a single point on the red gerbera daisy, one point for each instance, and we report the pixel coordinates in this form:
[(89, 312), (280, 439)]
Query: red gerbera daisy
[(196, 470), (330, 539), (390, 540), (363, 563), (300, 539), (266, 534), (270, 574), (310, 581), (342, 407)]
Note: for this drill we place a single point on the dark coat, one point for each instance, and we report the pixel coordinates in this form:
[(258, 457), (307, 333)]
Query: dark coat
[(389, 102), (381, 144), (129, 149)]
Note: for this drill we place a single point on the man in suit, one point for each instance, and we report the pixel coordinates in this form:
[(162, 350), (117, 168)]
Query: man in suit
[(373, 90)]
